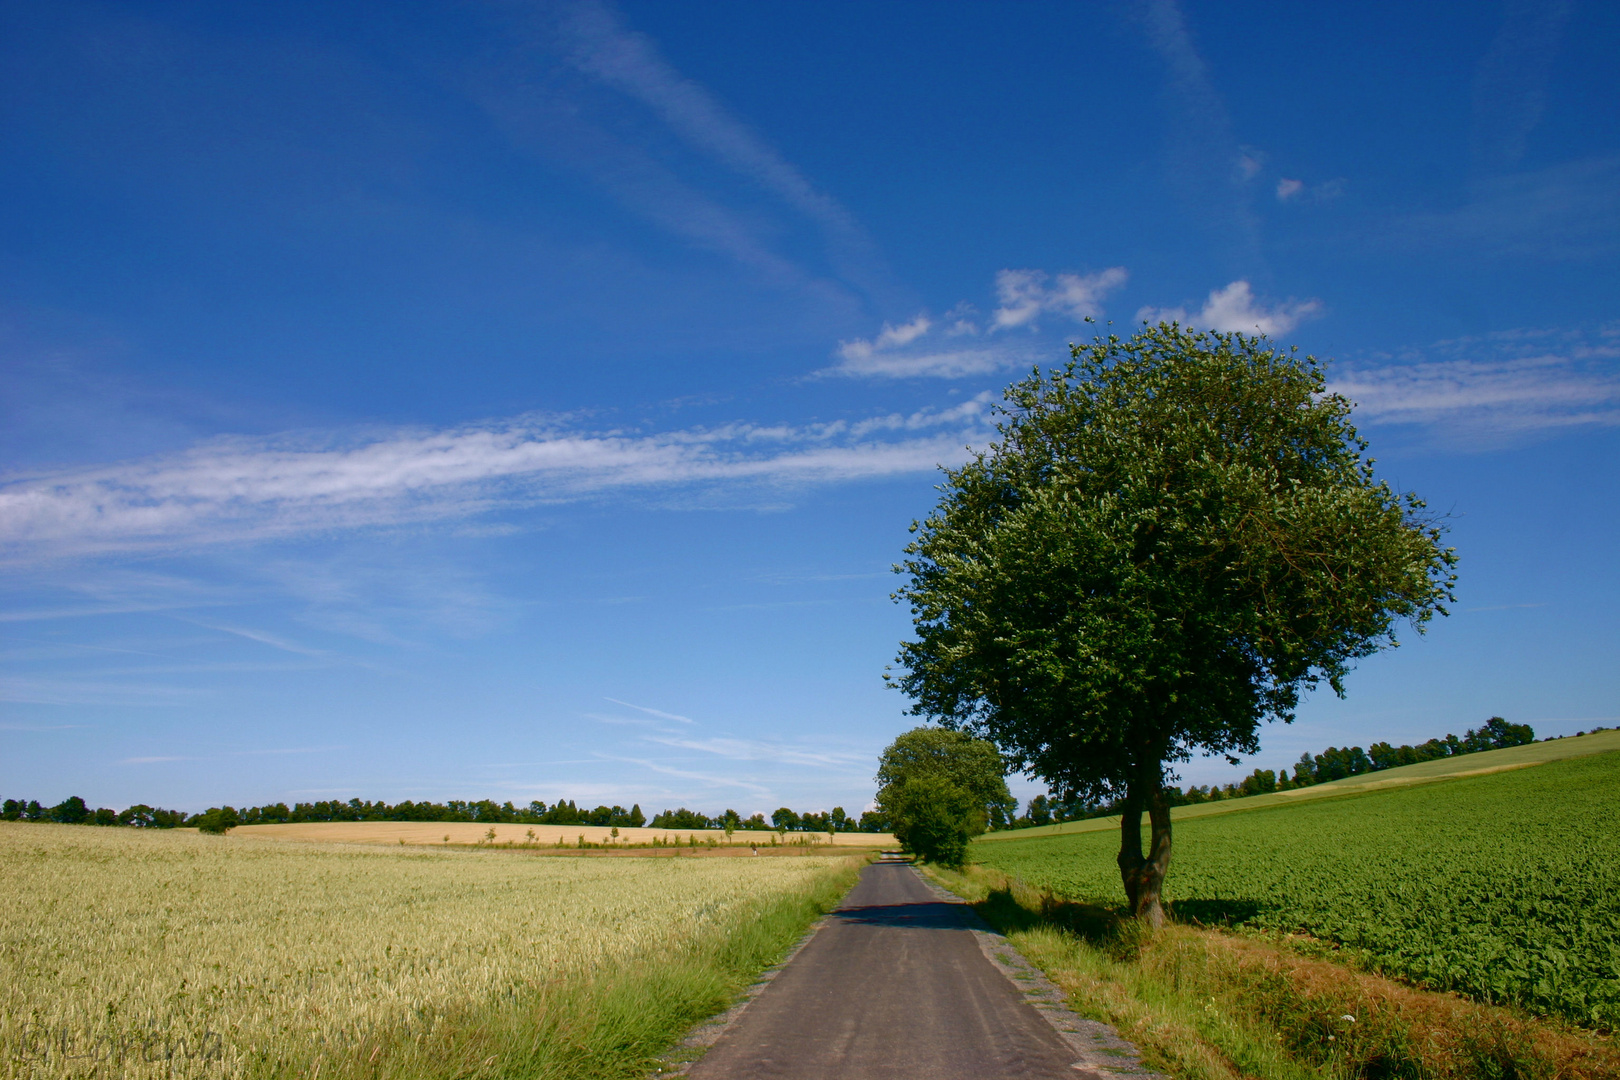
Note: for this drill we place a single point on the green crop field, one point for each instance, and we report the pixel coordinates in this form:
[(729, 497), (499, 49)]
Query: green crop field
[(1503, 886)]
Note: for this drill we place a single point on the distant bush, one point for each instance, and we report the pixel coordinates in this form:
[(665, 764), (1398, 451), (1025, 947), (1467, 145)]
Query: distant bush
[(218, 820)]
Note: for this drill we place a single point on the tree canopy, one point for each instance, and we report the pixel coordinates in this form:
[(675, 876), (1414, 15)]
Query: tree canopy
[(932, 818), (1174, 535), (938, 788)]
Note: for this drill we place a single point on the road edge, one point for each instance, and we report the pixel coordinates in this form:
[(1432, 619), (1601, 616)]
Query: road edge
[(679, 1059), (1101, 1053)]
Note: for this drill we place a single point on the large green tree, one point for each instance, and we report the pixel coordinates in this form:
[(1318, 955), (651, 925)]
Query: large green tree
[(1172, 537)]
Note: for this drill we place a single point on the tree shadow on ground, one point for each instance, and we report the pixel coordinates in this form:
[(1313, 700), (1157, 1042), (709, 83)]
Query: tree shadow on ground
[(1092, 922), (1214, 912), (1098, 924), (928, 915)]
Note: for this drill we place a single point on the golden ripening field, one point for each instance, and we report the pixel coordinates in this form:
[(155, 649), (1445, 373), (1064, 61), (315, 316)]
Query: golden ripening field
[(144, 953), (565, 836)]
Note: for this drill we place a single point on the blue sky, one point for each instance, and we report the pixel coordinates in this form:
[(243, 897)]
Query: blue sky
[(528, 401)]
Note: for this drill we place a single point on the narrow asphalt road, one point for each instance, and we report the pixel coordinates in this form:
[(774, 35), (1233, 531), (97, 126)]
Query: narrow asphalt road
[(893, 986)]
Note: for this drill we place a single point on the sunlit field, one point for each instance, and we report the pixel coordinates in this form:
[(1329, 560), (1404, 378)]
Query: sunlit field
[(548, 836), (1504, 886), (1483, 763), (144, 953)]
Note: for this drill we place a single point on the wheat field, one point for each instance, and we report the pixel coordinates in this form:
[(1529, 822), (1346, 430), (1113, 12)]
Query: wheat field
[(547, 836), (143, 953)]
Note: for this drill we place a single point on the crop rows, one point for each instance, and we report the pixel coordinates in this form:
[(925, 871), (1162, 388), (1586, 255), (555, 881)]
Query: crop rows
[(1504, 887)]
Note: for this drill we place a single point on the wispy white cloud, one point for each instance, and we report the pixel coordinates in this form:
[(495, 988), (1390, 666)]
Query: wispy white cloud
[(928, 348), (1297, 191), (612, 109), (154, 759), (620, 721), (276, 750), (82, 612), (757, 750), (1487, 391), (383, 593), (1565, 211), (1510, 84), (938, 363), (112, 591), (1235, 308), (890, 337), (641, 181), (708, 779), (778, 605), (653, 712), (1536, 391), (1025, 296), (76, 650), (201, 668), (597, 43), (81, 690), (263, 638), (1207, 165), (570, 787), (238, 489)]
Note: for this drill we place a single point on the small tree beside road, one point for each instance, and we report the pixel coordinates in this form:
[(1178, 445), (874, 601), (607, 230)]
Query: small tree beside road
[(1173, 537), (933, 818), (939, 789)]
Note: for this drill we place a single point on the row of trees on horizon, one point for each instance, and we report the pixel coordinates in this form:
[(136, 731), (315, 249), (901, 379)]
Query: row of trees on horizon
[(1332, 764), (74, 811)]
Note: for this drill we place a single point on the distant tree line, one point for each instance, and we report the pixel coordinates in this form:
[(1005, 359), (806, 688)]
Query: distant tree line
[(484, 811), (784, 820), (1331, 764), (74, 811)]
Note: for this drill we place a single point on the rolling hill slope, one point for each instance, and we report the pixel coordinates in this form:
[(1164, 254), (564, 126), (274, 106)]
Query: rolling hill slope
[(1488, 761)]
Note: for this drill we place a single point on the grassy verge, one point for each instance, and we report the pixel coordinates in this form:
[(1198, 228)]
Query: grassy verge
[(1209, 1005), (613, 1024)]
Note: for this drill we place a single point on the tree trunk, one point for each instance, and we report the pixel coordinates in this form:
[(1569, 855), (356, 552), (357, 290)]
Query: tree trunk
[(1144, 877)]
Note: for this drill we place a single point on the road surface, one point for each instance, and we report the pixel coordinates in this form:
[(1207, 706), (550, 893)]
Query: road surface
[(895, 986)]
